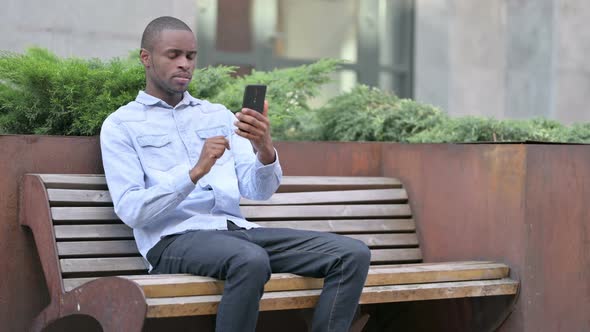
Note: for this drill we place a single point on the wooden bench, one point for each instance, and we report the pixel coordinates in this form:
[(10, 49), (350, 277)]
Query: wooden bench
[(92, 266)]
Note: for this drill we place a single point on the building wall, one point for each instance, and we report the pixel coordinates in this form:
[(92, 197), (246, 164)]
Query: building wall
[(505, 58), (84, 28)]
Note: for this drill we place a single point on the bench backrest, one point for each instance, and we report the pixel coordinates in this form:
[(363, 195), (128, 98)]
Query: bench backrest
[(91, 241)]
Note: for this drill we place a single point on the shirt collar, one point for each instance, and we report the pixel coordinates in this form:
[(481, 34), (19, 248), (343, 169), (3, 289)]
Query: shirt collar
[(149, 100)]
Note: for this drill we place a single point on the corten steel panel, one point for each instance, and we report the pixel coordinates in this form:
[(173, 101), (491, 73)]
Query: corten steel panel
[(556, 285), (330, 158), (466, 198), (22, 289), (468, 201)]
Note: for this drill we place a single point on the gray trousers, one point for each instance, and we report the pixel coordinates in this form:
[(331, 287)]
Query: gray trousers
[(246, 258)]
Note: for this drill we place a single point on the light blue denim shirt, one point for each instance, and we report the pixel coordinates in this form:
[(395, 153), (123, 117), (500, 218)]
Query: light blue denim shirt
[(148, 149)]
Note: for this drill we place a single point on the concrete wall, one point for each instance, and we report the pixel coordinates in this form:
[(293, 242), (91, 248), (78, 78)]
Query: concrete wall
[(505, 58), (85, 28)]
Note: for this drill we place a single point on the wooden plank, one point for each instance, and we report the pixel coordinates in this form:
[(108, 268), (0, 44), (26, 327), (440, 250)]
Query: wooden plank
[(326, 211), (346, 226), (395, 255), (187, 285), (94, 265), (159, 285), (78, 197), (333, 197), (288, 183), (324, 183), (74, 232), (90, 197), (97, 248), (83, 213), (257, 212), (387, 240), (74, 181), (207, 305), (129, 247)]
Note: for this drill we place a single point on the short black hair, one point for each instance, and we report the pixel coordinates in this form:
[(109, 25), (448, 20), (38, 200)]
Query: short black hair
[(153, 29)]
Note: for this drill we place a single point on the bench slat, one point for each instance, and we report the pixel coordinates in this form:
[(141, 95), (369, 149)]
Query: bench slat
[(101, 265), (289, 183), (97, 248), (93, 197), (334, 197), (257, 212), (74, 181), (323, 183), (128, 247), (346, 226), (78, 196), (396, 255), (207, 305), (74, 232), (387, 240), (186, 285), (100, 213), (122, 231), (113, 264), (326, 211), (402, 274), (325, 225)]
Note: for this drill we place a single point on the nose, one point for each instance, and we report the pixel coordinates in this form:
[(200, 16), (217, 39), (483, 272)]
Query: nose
[(184, 63)]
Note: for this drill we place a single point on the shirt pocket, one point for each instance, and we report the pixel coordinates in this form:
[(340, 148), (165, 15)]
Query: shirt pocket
[(206, 133), (157, 152)]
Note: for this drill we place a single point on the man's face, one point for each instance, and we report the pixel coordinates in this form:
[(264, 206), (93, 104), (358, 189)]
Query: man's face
[(171, 62)]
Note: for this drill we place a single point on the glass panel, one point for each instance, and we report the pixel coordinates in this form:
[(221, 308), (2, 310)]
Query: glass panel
[(342, 81), (386, 82), (311, 29), (397, 84)]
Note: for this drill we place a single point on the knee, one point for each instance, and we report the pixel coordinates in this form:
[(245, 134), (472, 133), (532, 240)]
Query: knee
[(359, 254), (253, 264)]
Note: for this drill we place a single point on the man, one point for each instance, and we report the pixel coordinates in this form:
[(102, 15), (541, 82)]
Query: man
[(176, 167)]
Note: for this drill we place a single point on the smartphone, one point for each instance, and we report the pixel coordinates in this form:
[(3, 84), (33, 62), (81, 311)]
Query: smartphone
[(254, 97)]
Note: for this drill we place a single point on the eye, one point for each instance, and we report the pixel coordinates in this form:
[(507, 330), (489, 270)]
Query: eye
[(173, 54)]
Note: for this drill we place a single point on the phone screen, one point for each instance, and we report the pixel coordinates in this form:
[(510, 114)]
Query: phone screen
[(254, 97)]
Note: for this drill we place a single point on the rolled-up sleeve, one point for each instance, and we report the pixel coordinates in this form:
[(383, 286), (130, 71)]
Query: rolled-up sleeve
[(256, 181)]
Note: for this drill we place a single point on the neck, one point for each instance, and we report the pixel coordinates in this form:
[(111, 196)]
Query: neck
[(171, 99)]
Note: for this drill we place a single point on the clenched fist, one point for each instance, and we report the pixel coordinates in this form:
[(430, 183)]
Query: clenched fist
[(213, 149)]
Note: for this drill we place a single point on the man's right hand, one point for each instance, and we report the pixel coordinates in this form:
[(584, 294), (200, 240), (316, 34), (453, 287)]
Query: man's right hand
[(213, 149)]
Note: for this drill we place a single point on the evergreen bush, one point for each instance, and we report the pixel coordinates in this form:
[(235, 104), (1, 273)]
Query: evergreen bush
[(41, 93)]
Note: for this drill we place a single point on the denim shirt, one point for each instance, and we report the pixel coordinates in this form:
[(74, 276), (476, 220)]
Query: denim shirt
[(148, 149)]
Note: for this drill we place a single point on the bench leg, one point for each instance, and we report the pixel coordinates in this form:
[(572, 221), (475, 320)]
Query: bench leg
[(358, 324), (116, 303), (44, 318)]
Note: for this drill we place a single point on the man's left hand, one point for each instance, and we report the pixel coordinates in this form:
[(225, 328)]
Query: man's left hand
[(256, 128)]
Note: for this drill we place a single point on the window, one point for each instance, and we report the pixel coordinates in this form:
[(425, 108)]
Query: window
[(374, 38)]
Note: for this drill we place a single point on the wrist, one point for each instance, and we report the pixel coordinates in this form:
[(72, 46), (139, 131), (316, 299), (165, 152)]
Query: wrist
[(267, 156), (195, 174)]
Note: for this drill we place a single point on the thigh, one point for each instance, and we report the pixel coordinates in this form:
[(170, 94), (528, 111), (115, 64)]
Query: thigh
[(206, 253), (306, 253)]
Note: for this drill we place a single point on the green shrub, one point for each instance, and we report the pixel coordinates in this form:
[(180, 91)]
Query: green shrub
[(478, 129), (369, 114), (41, 93)]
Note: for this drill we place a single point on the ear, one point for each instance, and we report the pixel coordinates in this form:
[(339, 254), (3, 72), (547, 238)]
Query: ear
[(144, 57)]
